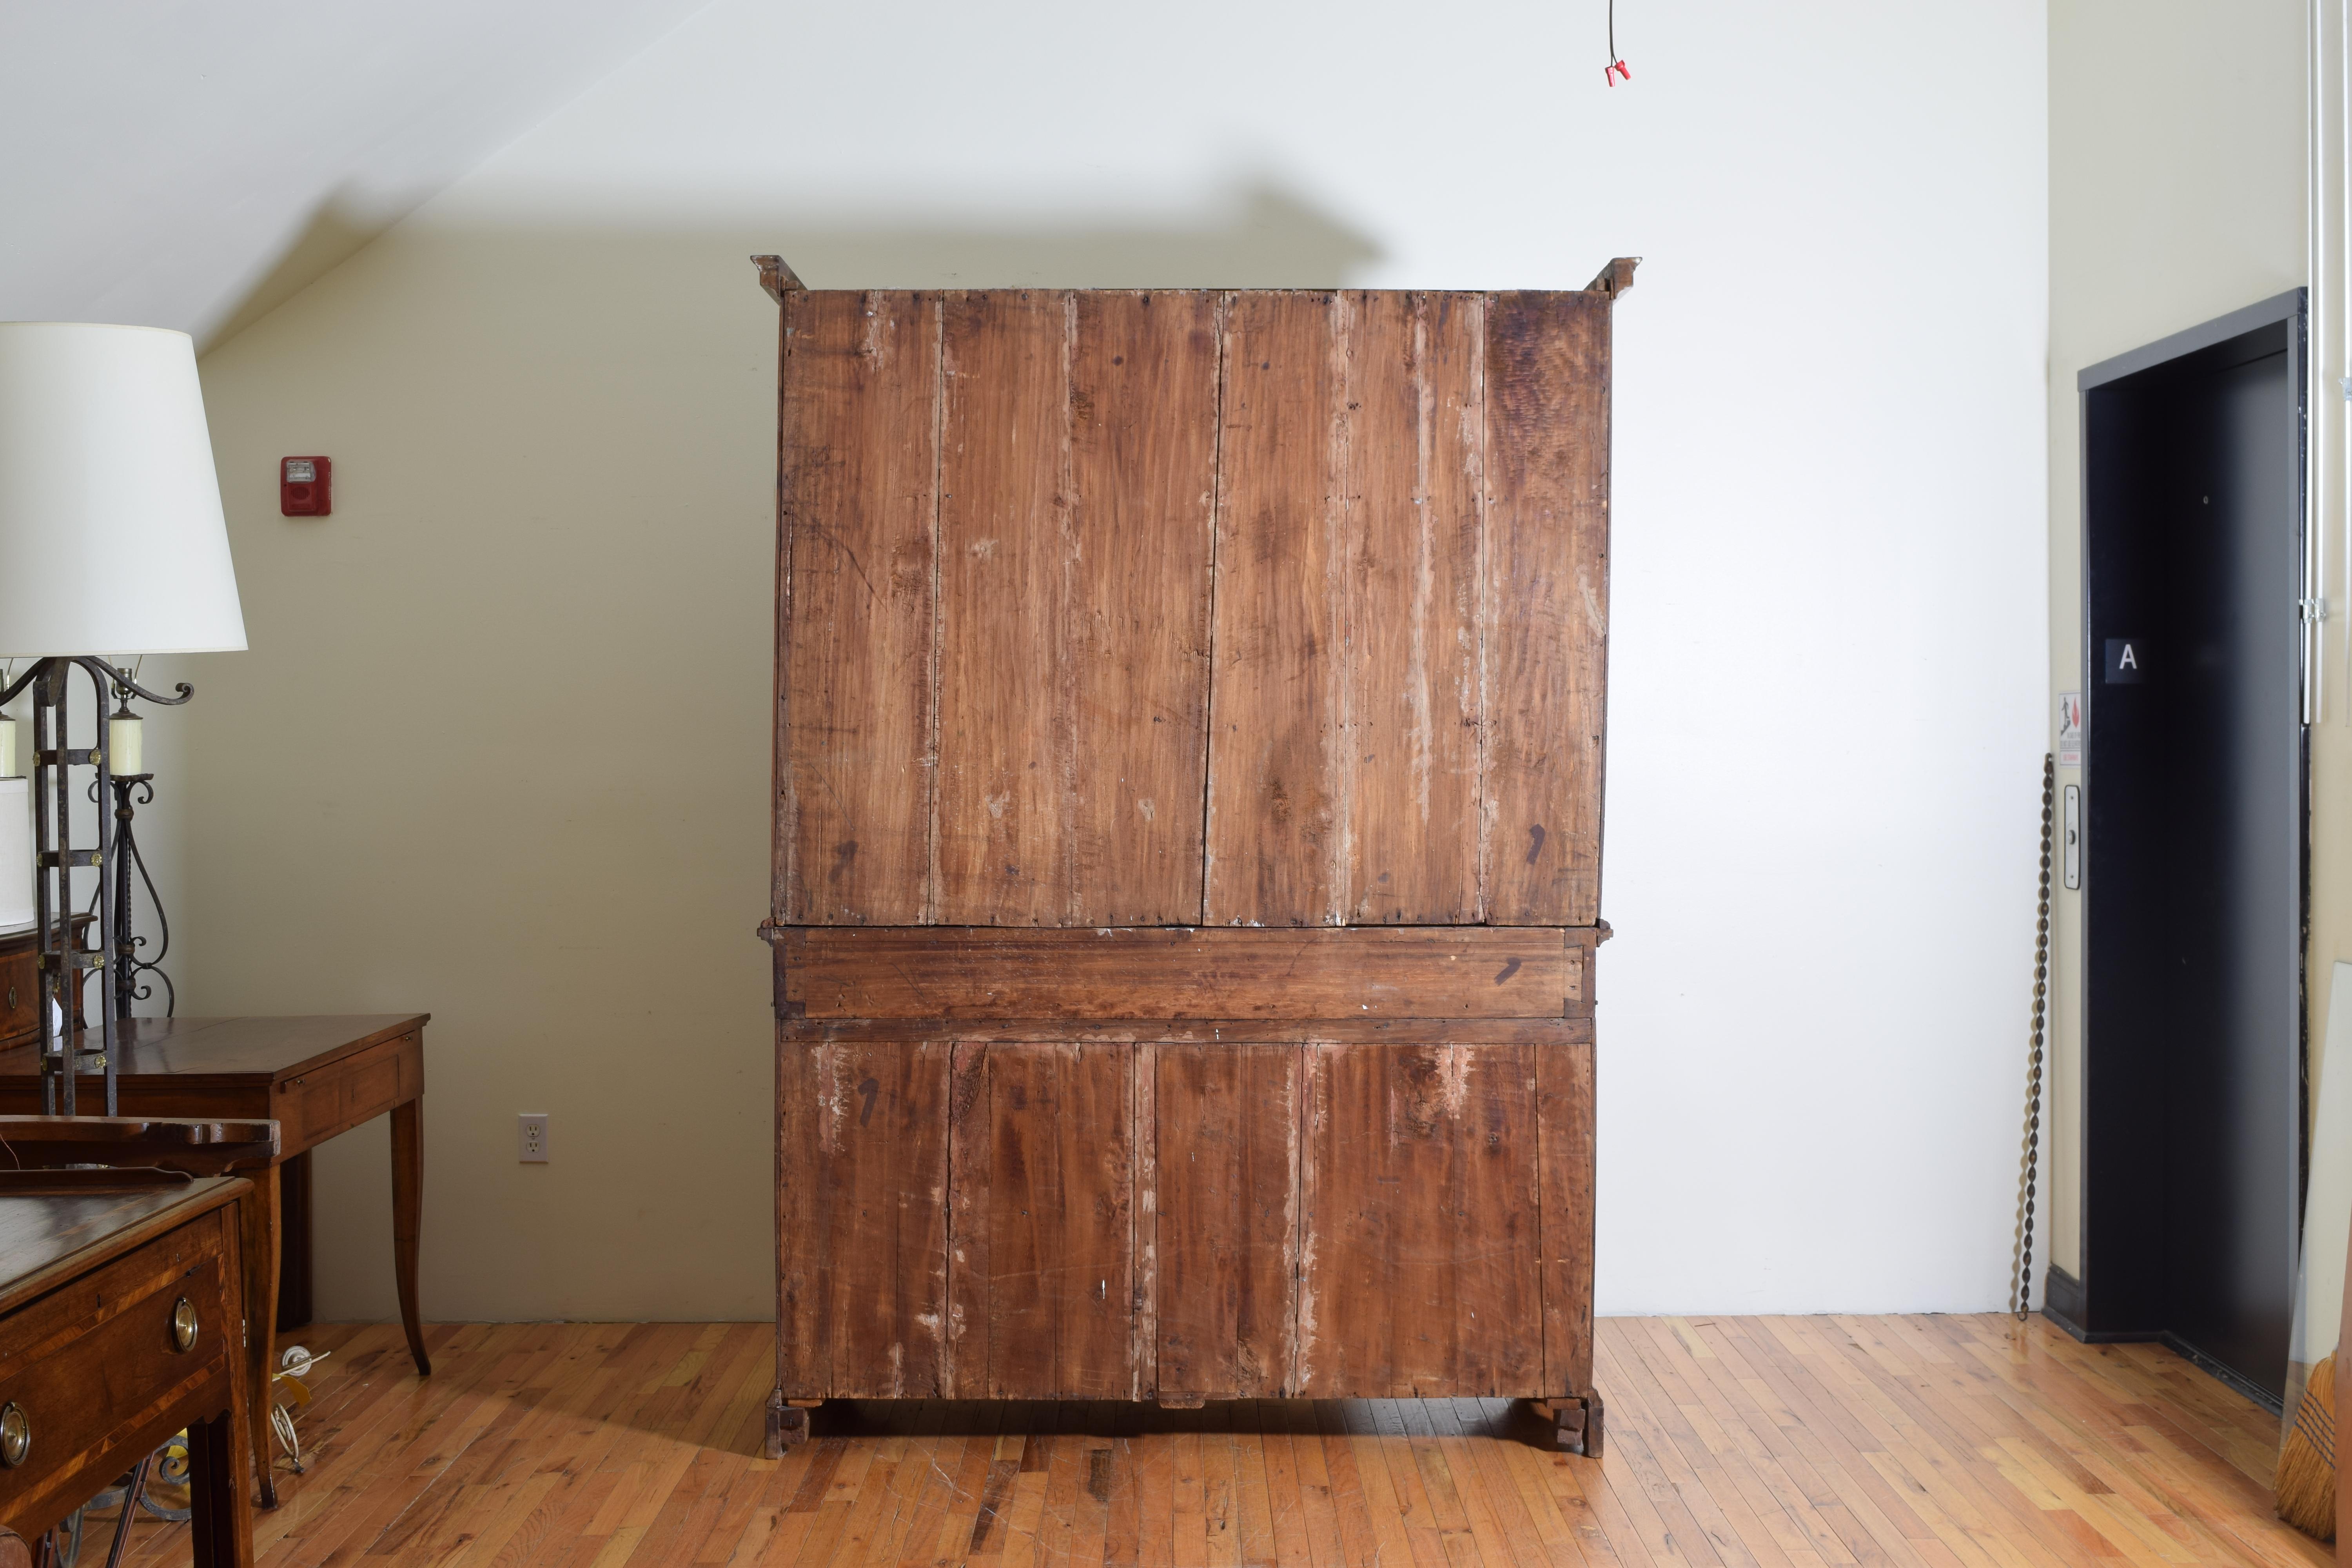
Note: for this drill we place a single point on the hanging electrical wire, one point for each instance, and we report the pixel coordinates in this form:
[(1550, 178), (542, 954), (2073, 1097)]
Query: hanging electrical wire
[(1616, 67)]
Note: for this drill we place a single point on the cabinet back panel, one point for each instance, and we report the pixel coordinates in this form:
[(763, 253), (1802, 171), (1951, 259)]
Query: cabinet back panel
[(1255, 607)]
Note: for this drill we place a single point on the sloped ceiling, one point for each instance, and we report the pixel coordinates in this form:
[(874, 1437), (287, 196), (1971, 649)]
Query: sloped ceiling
[(190, 163)]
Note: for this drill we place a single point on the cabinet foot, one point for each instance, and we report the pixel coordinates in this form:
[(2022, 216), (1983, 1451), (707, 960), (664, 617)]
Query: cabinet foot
[(1579, 1424), (788, 1425)]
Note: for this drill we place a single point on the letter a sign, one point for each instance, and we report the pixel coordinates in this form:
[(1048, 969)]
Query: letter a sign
[(2126, 661)]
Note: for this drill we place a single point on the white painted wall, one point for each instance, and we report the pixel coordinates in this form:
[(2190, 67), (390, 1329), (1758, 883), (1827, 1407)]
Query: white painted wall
[(499, 749), (188, 166), (2177, 196)]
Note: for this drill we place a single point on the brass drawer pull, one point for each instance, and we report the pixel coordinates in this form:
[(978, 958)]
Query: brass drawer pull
[(184, 1325), (15, 1434)]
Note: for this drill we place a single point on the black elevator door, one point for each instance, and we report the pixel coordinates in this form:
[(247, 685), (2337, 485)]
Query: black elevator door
[(2193, 873)]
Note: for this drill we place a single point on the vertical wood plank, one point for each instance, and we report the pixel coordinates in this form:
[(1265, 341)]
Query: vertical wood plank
[(1143, 418), (1005, 546), (1042, 1254), (1420, 1250), (1274, 808), (1565, 1091), (1226, 1220), (862, 1212), (1094, 1261), (857, 507), (803, 1368), (970, 1234), (801, 1362), (1410, 751), (1546, 467), (1142, 1212)]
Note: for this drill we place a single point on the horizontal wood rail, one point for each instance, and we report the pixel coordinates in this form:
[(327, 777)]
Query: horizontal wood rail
[(1350, 974)]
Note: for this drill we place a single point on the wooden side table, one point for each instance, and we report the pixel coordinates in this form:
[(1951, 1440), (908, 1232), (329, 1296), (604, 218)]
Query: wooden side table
[(317, 1077), (118, 1307)]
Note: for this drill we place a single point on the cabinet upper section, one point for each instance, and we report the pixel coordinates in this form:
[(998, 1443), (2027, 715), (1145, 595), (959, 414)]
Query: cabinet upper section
[(1192, 607)]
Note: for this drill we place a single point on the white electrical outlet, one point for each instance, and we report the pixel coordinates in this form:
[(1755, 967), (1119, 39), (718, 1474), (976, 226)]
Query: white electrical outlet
[(530, 1137)]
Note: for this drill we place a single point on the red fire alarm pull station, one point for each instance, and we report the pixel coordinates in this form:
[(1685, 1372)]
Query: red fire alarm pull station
[(303, 487)]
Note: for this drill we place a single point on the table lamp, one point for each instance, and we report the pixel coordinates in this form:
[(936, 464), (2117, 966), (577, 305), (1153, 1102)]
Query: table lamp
[(111, 544)]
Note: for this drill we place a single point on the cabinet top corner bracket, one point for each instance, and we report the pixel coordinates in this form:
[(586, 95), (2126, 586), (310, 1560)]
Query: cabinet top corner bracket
[(1615, 278), (780, 280)]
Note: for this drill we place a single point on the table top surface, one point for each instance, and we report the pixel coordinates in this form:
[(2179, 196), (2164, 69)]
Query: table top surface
[(247, 1049), (47, 1239)]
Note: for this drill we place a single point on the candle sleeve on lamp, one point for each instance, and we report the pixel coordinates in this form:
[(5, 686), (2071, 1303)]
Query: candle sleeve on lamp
[(123, 751), (8, 747)]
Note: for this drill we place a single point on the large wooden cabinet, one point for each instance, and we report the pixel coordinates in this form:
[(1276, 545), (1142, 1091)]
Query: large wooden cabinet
[(1189, 746)]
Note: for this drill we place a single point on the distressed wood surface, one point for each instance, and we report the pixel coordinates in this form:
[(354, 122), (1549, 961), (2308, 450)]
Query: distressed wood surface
[(1421, 972), (1006, 545), (1274, 809), (1187, 873), (1910, 1442), (1226, 1227), (856, 469), (1202, 1031), (1041, 1268), (1409, 749), (1564, 1105), (1547, 616), (1143, 448), (1420, 1219), (862, 1219), (1263, 607)]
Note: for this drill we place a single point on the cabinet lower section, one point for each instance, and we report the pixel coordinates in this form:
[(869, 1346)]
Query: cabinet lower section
[(1183, 1221)]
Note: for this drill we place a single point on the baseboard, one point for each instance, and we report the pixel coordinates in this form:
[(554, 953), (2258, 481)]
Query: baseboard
[(2062, 1302), (2220, 1374)]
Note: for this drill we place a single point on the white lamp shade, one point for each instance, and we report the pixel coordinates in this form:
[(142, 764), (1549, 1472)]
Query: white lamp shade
[(111, 539)]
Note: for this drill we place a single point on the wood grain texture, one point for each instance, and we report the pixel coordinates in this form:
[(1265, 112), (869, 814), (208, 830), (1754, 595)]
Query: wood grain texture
[(1076, 480), (1225, 1226), (861, 1214), (857, 468), (1547, 597), (1007, 546), (1274, 810), (90, 1359), (1143, 450), (1419, 1274), (1201, 1031), (1914, 1442), (1409, 747), (1041, 1264), (1566, 1103), (1061, 571), (1424, 971)]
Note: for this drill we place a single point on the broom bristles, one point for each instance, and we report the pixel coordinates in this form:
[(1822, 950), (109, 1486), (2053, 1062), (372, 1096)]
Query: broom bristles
[(2307, 1464)]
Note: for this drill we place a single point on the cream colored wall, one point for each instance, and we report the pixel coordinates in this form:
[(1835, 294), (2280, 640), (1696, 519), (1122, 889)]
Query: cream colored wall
[(500, 751), (2176, 195)]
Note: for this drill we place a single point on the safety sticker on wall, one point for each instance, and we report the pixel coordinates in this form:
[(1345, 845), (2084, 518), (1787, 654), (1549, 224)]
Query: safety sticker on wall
[(2070, 728)]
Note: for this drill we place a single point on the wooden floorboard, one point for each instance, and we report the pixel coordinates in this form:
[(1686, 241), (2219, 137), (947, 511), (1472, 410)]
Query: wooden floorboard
[(1836, 1442)]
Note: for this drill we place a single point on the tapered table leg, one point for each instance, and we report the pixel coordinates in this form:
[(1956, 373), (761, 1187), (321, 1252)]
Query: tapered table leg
[(260, 1245), (222, 1524), (407, 1202)]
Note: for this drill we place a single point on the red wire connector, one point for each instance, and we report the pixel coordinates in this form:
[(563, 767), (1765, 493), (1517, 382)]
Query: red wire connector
[(1613, 70)]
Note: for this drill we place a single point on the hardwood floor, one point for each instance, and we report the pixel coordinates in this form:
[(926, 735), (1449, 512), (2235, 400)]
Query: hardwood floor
[(1765, 1441)]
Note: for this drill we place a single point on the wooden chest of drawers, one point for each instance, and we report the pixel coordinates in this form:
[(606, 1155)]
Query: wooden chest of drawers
[(121, 1321)]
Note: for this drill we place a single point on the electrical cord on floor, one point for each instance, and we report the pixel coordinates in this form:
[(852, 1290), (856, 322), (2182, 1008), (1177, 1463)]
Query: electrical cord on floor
[(2020, 1275)]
